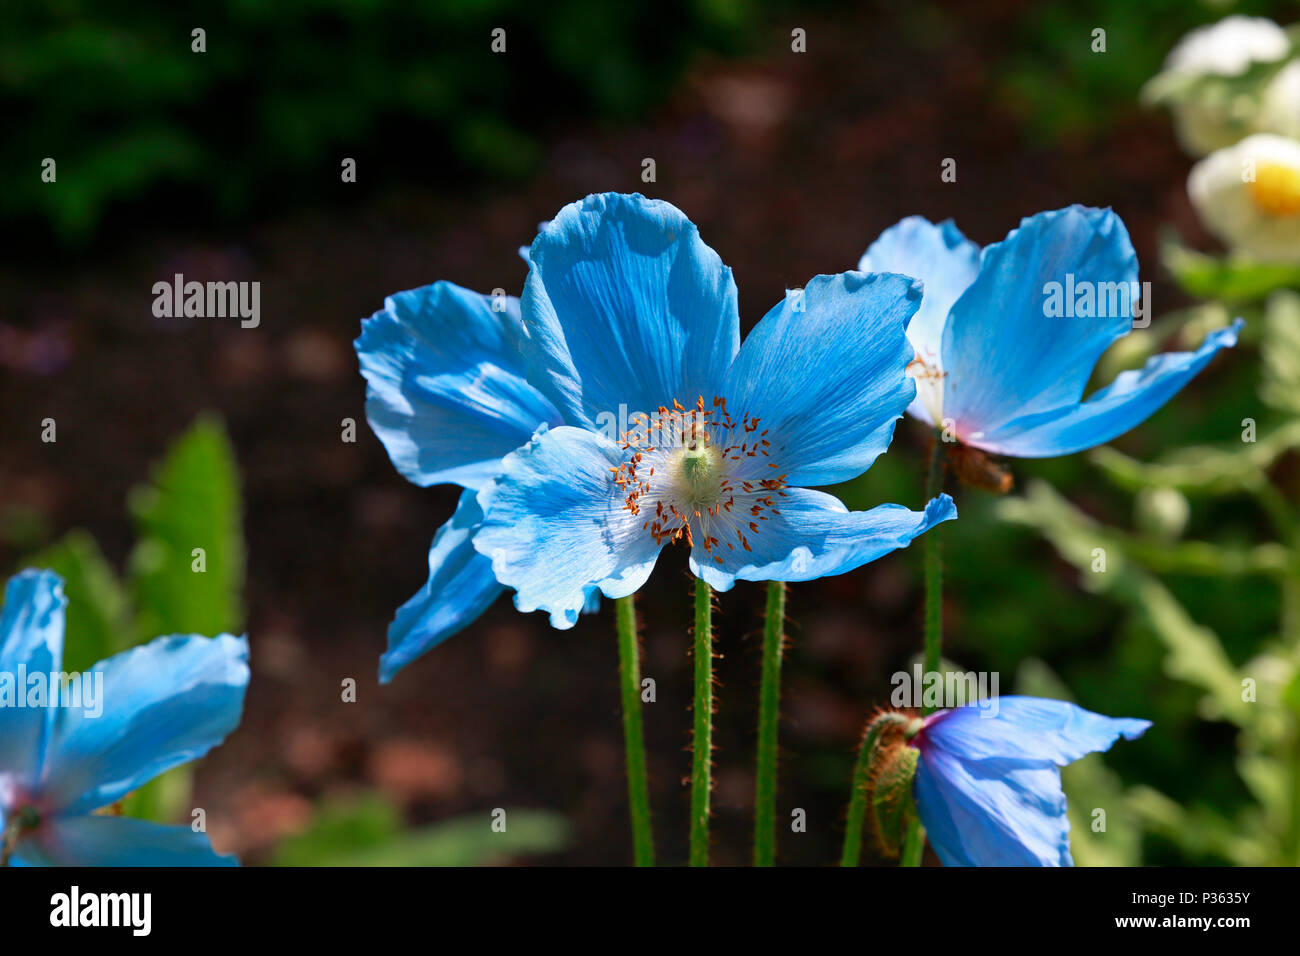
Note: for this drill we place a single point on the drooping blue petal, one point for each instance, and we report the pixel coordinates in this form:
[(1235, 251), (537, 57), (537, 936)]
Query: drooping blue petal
[(164, 704), (461, 586), (988, 787), (626, 306), (945, 261), (824, 372), (1004, 357), (554, 525), (1028, 728), (446, 392), (117, 841), (31, 642), (813, 536), (992, 812), (1128, 401)]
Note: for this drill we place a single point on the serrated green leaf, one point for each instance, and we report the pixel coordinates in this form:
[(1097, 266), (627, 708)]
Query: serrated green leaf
[(192, 503)]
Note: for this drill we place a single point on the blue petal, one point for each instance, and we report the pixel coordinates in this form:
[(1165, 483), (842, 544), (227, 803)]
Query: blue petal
[(987, 786), (446, 392), (1003, 357), (118, 841), (1027, 728), (626, 306), (825, 373), (164, 704), (460, 588), (31, 636), (993, 812), (554, 525), (945, 261), (814, 536), (1128, 401)]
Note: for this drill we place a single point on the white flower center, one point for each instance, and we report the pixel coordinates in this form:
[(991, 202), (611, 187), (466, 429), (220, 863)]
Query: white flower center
[(699, 475)]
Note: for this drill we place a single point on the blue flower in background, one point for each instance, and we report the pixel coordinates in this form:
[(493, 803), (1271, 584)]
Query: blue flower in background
[(988, 783), (1007, 338), (675, 432), (163, 704)]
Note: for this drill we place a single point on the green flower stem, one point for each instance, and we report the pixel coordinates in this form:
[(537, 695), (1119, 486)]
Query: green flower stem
[(638, 791), (934, 567), (914, 846), (858, 797), (702, 739), (769, 709)]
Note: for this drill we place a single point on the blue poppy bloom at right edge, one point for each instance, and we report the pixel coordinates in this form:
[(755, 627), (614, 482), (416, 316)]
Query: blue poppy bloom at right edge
[(1007, 337)]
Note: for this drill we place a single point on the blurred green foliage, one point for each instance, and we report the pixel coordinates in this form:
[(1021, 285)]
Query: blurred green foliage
[(1060, 87), (369, 831), (113, 92), (191, 502)]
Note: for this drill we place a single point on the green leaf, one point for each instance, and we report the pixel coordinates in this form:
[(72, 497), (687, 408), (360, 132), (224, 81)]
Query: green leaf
[(192, 503), (1202, 469), (98, 618), (368, 832), (1193, 654), (1230, 278), (1280, 351)]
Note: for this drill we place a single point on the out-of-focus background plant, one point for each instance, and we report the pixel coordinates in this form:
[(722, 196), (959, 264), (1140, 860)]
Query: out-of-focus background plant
[(225, 166)]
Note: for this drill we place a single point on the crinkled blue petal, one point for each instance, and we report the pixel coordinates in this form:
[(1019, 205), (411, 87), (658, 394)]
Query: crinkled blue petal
[(1003, 357), (446, 392), (555, 528), (992, 812), (1028, 728), (164, 704), (460, 587), (625, 306), (988, 787), (1127, 402), (825, 374), (945, 261), (31, 643), (813, 535)]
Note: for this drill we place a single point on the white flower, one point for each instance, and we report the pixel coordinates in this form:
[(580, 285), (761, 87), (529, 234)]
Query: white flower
[(1229, 47), (1249, 196), (1213, 120)]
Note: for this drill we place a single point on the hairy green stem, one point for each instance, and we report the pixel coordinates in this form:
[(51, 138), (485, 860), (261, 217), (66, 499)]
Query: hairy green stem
[(769, 711), (858, 795), (638, 790), (914, 846), (702, 738)]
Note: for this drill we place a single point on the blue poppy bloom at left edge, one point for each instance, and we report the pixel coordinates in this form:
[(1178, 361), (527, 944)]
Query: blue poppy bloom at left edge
[(159, 705), (677, 433)]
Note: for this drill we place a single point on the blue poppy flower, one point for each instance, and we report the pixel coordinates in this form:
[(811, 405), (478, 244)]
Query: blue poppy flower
[(988, 780), (675, 432), (1006, 338), (160, 705), (447, 396)]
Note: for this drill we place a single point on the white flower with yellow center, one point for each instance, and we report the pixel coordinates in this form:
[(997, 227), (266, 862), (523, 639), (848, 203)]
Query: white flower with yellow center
[(1248, 195)]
